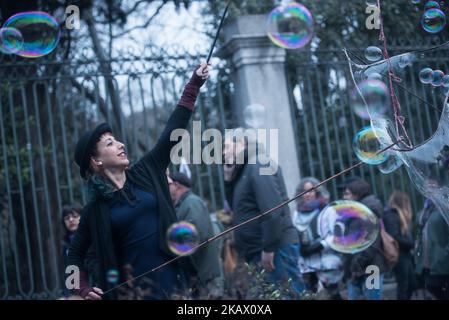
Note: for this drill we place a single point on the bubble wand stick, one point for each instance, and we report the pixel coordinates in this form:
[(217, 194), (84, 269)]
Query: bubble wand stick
[(218, 32)]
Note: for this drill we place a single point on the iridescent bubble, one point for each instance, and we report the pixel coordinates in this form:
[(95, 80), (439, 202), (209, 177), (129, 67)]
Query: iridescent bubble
[(112, 276), (290, 26), (437, 78), (255, 115), (373, 101), (40, 32), (373, 53), (182, 238), (392, 163), (426, 75), (445, 81), (11, 40), (431, 5), (367, 143), (433, 20), (348, 226)]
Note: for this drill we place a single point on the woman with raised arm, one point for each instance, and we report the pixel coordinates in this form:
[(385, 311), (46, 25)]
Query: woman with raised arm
[(130, 211)]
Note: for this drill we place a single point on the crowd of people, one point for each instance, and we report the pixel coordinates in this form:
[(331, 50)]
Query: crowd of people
[(124, 227)]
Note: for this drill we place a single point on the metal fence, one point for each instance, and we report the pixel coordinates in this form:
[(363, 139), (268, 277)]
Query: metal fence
[(44, 107)]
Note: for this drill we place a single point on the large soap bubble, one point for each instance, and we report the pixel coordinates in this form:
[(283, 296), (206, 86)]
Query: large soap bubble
[(374, 92), (433, 20), (182, 238), (348, 226), (419, 125), (39, 30), (290, 26)]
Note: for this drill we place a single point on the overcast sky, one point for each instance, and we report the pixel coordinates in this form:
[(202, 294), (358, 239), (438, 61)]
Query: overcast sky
[(185, 28)]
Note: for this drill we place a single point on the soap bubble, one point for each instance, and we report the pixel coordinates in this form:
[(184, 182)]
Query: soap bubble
[(39, 30), (367, 145), (290, 26), (11, 40), (348, 226), (437, 78), (375, 94), (373, 53), (428, 166), (182, 238), (426, 75), (392, 163), (433, 20), (112, 276), (431, 5)]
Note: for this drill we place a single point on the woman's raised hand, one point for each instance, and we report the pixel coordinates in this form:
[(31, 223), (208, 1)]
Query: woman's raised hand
[(203, 71)]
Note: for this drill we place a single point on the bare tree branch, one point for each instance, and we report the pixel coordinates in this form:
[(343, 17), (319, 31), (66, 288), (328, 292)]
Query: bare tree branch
[(145, 25), (111, 38), (105, 68), (136, 5), (89, 94)]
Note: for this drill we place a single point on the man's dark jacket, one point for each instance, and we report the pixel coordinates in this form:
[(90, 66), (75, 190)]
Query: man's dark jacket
[(251, 194)]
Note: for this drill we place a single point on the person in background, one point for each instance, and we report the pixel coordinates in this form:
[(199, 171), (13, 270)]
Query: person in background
[(272, 241), (317, 259), (357, 189), (71, 214), (191, 208), (432, 251), (398, 223)]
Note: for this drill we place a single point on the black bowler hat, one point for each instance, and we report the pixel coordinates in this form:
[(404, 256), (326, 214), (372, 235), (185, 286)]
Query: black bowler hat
[(85, 145), (181, 178)]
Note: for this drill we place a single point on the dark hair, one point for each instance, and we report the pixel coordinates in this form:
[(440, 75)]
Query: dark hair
[(359, 188), (97, 186), (321, 191), (400, 201), (71, 207), (93, 151)]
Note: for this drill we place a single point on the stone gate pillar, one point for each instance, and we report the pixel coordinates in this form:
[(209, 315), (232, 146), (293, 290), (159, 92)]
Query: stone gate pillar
[(258, 73)]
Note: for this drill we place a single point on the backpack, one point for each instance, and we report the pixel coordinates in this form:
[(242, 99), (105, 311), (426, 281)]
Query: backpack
[(390, 247)]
